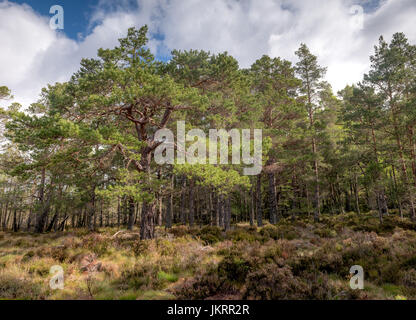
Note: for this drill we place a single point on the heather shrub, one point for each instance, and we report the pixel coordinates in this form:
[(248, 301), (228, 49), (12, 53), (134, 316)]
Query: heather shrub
[(270, 232), (271, 282), (244, 234), (19, 288), (210, 235), (203, 286)]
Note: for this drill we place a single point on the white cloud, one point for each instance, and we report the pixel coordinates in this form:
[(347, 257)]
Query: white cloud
[(33, 55)]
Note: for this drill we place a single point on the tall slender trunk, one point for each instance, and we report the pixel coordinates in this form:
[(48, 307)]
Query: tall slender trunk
[(253, 206), (412, 152), (317, 200), (227, 213), (15, 228), (118, 212), (91, 211), (403, 162), (168, 220), (4, 222), (147, 226), (272, 199), (183, 206), (29, 219), (101, 214), (217, 210), (357, 200), (160, 212), (399, 203), (259, 202), (210, 208), (221, 211), (130, 222), (191, 203), (169, 205), (40, 219)]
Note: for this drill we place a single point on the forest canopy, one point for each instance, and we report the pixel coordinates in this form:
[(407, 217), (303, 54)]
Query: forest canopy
[(83, 155)]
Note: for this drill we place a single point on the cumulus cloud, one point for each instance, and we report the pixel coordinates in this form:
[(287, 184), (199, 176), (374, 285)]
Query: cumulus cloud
[(33, 55)]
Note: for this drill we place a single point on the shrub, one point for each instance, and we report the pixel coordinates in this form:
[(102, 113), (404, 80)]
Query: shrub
[(243, 234), (408, 278), (179, 231), (203, 286), (15, 288), (40, 267), (270, 232), (234, 269), (28, 256), (326, 233), (211, 235), (142, 276), (141, 247), (96, 243), (273, 283)]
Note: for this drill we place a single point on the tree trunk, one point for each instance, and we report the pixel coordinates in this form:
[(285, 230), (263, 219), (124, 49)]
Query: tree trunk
[(221, 211), (44, 214), (91, 211), (160, 212), (272, 199), (252, 209), (403, 163), (130, 222), (147, 226), (168, 220), (357, 200), (227, 215), (15, 228), (191, 203), (259, 202), (183, 206), (317, 201), (217, 210), (118, 212)]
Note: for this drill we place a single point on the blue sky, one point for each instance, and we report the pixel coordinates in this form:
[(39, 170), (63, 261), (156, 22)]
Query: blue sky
[(33, 55), (77, 13), (79, 16)]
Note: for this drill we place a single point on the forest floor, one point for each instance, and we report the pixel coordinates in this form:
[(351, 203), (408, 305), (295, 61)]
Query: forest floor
[(294, 260)]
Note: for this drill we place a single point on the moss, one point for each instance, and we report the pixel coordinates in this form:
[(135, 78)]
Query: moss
[(131, 295), (392, 290), (169, 277)]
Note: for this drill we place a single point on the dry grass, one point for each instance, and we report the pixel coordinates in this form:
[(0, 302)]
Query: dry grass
[(293, 260)]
